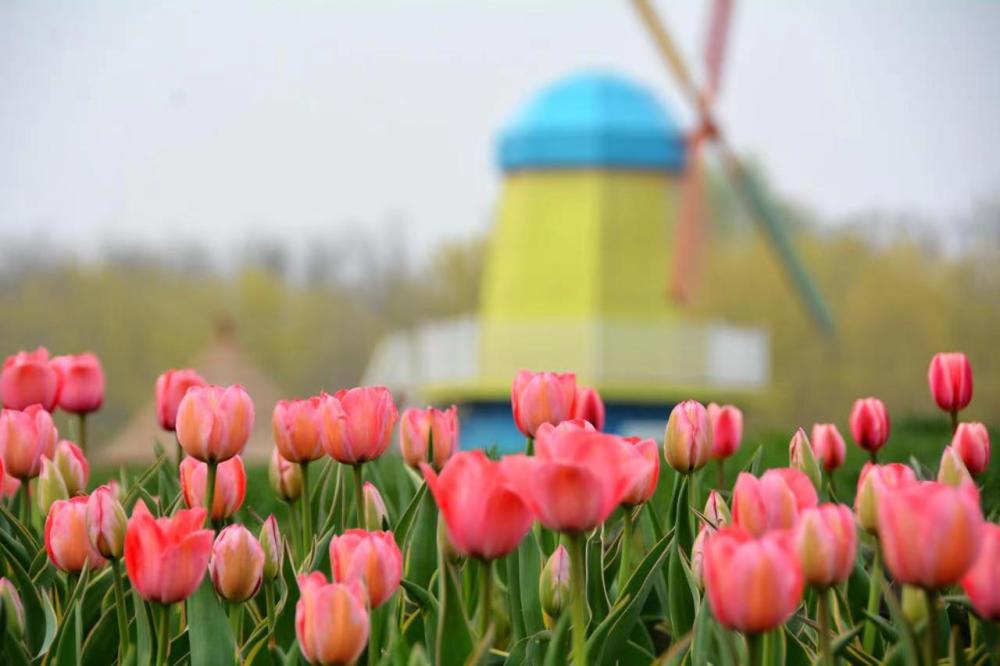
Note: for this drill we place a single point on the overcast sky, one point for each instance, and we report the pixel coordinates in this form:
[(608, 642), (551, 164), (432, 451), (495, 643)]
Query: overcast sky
[(168, 121)]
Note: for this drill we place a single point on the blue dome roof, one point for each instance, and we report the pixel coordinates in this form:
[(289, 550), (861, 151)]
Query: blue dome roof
[(592, 119)]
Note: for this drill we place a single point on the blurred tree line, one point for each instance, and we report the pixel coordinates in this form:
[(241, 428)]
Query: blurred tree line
[(899, 293)]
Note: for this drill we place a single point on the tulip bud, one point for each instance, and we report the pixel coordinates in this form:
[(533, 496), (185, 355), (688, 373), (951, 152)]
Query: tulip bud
[(801, 457), (237, 564), (872, 482), (828, 445), (271, 544), (73, 467), (66, 540), (542, 397), (214, 422), (230, 485), (698, 555), (826, 542), (170, 389), (12, 606), (285, 477), (727, 430), (717, 511), (356, 424), (589, 406), (106, 522), (952, 470), (972, 442), (554, 585), (914, 603), (332, 622), (25, 438), (376, 515), (50, 486), (688, 438), (371, 557), (950, 381), (81, 383), (295, 424), (428, 436), (870, 424)]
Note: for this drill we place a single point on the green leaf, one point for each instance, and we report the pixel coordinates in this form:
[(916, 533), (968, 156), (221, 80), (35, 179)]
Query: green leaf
[(143, 633), (702, 634), (454, 637), (796, 652), (597, 593), (209, 633), (422, 557), (69, 637), (101, 641), (50, 625), (753, 464), (907, 645), (514, 605), (679, 593), (36, 610), (420, 596), (557, 653), (137, 485), (405, 522), (841, 642), (529, 560)]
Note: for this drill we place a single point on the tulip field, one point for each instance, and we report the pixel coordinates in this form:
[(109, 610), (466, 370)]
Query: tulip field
[(387, 539)]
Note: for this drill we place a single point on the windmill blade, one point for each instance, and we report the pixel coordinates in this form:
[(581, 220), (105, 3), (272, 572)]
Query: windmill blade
[(690, 231), (715, 46), (763, 212)]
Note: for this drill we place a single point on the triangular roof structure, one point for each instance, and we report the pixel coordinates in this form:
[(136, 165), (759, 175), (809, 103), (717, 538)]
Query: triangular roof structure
[(224, 363)]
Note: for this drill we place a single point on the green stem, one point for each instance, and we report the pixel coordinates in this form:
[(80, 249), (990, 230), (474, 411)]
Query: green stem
[(626, 563), (25, 503), (693, 503), (163, 636), (831, 484), (931, 636), (306, 506), (578, 588), (342, 497), (823, 619), (236, 623), (720, 472), (874, 599), (529, 447), (123, 639), (954, 420), (271, 617), (213, 468), (755, 649), (485, 596), (374, 633), (359, 495), (82, 420), (873, 456)]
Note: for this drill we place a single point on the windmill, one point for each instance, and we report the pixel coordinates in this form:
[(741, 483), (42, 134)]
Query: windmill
[(690, 230)]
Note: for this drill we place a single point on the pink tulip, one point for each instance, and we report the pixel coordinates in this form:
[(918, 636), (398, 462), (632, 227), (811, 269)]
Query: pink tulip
[(428, 436), (166, 558), (296, 426), (376, 515), (982, 581), (589, 406), (727, 430), (872, 481), (688, 440), (642, 485), (828, 445), (774, 501), (237, 564), (73, 467), (28, 379), (214, 422), (753, 585), (485, 515), (930, 532), (230, 485), (826, 541), (554, 584), (81, 383), (106, 522), (576, 479), (170, 389), (572, 425), (950, 380), (869, 424), (357, 423), (972, 442), (542, 397), (25, 438), (331, 622), (285, 477), (370, 557), (66, 539), (9, 485)]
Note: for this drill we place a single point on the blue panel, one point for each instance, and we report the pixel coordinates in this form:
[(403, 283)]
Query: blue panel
[(593, 119)]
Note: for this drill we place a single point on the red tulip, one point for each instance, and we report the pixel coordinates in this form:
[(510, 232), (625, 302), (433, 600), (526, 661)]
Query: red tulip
[(230, 485), (542, 397), (237, 564), (950, 380), (73, 467), (982, 581), (214, 422), (370, 557), (81, 383), (428, 436), (166, 558), (642, 485), (356, 424), (826, 541), (296, 426), (869, 424), (972, 442), (25, 438), (331, 622), (29, 379), (576, 479), (872, 481), (774, 501), (486, 516), (753, 585), (66, 539), (828, 445), (106, 522), (589, 406), (688, 440), (930, 532), (727, 430), (285, 477), (170, 389)]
